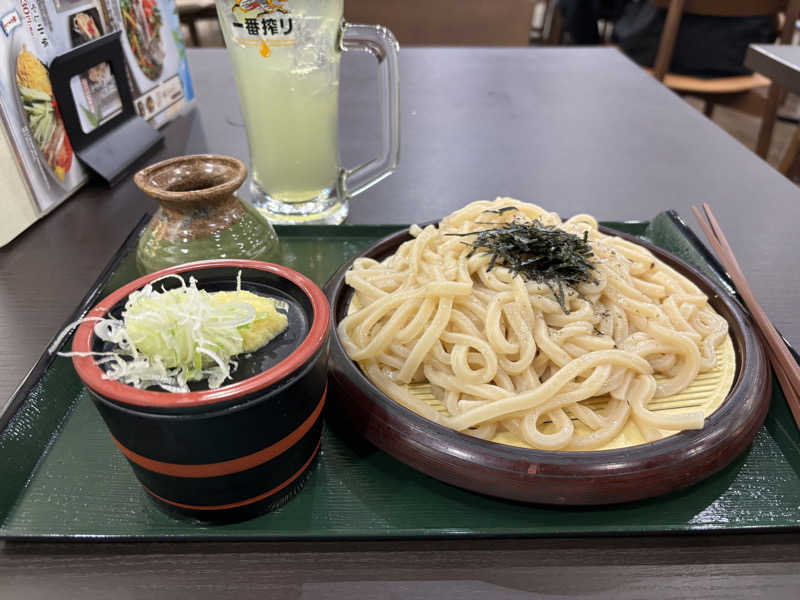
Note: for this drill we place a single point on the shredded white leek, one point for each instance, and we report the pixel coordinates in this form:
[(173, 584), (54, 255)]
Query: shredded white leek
[(168, 338)]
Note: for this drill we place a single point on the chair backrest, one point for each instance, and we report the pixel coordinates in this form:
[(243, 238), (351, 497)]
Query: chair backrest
[(717, 8)]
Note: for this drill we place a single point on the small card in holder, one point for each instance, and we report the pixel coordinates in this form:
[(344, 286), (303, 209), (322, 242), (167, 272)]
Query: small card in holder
[(93, 94)]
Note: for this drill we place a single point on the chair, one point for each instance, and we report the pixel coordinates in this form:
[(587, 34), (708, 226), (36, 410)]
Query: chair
[(553, 26), (191, 11), (741, 92)]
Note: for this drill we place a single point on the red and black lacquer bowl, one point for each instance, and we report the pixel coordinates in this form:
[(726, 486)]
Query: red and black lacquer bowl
[(565, 478), (246, 447)]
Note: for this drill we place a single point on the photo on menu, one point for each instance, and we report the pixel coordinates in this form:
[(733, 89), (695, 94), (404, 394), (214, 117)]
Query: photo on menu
[(155, 56), (142, 22), (85, 26), (96, 96), (42, 114), (95, 91)]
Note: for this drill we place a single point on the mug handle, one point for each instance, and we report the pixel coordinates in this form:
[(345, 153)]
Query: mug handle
[(381, 43)]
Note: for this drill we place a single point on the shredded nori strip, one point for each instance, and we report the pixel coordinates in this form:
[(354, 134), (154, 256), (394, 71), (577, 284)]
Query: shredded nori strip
[(537, 252)]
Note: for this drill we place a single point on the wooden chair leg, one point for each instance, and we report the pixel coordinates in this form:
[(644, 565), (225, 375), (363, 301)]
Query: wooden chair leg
[(554, 24), (791, 153), (709, 109), (193, 34), (768, 119), (782, 96), (792, 173)]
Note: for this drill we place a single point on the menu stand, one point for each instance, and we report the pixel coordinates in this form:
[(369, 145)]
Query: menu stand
[(114, 146)]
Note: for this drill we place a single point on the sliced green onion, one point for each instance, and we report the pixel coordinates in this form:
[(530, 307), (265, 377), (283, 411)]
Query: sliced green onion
[(169, 338)]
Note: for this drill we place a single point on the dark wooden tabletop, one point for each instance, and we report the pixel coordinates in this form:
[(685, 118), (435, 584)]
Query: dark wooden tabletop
[(576, 130), (779, 62)]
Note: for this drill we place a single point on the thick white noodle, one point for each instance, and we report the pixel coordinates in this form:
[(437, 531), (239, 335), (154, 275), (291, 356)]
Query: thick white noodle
[(500, 352)]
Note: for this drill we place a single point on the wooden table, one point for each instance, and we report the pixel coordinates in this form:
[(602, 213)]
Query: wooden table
[(573, 129), (781, 63)]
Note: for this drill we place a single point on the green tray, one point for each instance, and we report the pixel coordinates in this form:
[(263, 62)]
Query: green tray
[(62, 477)]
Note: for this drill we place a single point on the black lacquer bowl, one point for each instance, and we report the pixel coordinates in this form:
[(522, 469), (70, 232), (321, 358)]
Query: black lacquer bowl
[(246, 447), (565, 478)]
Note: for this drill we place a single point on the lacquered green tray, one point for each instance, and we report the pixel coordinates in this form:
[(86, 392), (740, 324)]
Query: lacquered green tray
[(62, 477)]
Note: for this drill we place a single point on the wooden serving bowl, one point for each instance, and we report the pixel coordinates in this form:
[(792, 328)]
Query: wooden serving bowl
[(245, 448), (566, 478)]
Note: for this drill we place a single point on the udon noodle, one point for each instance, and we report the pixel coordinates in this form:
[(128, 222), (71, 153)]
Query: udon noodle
[(500, 352)]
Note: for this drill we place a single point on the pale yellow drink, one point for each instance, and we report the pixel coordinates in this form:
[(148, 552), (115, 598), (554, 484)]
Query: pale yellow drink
[(285, 56), (288, 86)]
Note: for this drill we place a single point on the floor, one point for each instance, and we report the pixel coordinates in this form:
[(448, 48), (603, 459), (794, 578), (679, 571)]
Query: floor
[(744, 127)]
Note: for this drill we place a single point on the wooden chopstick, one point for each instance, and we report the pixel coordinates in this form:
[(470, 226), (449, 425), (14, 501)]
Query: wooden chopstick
[(783, 363)]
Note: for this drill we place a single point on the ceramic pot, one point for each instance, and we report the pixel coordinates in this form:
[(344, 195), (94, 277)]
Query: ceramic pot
[(200, 216)]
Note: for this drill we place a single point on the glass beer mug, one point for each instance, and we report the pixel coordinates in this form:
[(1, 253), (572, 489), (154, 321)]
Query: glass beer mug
[(285, 56)]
